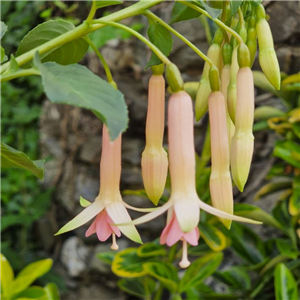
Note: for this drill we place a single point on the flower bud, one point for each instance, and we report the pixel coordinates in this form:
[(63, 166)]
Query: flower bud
[(243, 141), (252, 44), (154, 157), (174, 78), (201, 105), (267, 55), (220, 180), (232, 88)]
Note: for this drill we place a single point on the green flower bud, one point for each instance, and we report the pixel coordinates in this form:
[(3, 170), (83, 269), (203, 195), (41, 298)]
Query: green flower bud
[(243, 56), (158, 69), (227, 54), (174, 78), (214, 79), (252, 44)]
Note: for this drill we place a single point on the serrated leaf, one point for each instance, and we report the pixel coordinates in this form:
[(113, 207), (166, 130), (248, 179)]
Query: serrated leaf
[(78, 86), (137, 287), (104, 3), (162, 39), (181, 12), (68, 53), (7, 275), (164, 272), (200, 269), (107, 257), (285, 283), (288, 151), (3, 29), (12, 158), (29, 274), (151, 250)]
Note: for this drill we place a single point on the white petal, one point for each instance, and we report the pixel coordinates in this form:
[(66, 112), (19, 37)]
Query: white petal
[(86, 215), (83, 202), (118, 213), (148, 217), (224, 215), (188, 214), (139, 209)]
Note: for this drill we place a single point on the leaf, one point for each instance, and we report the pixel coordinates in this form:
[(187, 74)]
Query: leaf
[(181, 12), (256, 2), (136, 287), (52, 291), (68, 53), (162, 39), (3, 56), (76, 85), (235, 277), (3, 29), (104, 3), (213, 12), (256, 213), (7, 275), (213, 237), (13, 66), (294, 201), (200, 269), (151, 250), (29, 274), (107, 257), (164, 272), (261, 81), (128, 264), (234, 6), (34, 292), (284, 246), (288, 151), (273, 187), (285, 283), (12, 220), (11, 157)]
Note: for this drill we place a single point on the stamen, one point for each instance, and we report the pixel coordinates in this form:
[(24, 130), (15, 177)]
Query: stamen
[(184, 261), (114, 245)]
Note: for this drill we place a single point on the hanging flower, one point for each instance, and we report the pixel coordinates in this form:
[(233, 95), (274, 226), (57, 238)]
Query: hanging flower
[(184, 203), (108, 206)]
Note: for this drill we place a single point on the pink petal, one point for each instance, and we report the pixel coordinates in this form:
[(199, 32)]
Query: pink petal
[(103, 229), (192, 237), (115, 229), (172, 232), (91, 229)]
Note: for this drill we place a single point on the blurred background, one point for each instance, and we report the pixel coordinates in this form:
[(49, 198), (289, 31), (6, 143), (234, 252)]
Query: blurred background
[(69, 139)]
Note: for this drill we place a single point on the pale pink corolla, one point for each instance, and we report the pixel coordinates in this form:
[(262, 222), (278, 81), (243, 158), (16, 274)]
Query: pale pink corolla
[(184, 203), (108, 206)]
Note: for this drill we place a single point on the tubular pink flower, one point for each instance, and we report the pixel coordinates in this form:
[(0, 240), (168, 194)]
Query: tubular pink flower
[(184, 203), (108, 206), (154, 157)]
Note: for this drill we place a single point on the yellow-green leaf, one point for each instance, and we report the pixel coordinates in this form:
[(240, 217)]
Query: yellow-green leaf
[(7, 275)]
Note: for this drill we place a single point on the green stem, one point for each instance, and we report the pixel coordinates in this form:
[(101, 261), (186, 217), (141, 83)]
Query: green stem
[(159, 54), (102, 59), (217, 21), (20, 73), (241, 17), (92, 12), (176, 33), (82, 30), (203, 20), (158, 293)]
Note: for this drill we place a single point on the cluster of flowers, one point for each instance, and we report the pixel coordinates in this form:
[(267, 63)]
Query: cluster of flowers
[(230, 105)]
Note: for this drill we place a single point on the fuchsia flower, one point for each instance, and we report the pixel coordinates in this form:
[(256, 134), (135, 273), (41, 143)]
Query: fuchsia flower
[(184, 203), (108, 206)]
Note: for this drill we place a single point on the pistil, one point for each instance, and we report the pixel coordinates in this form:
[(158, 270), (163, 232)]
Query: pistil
[(114, 245), (184, 261)]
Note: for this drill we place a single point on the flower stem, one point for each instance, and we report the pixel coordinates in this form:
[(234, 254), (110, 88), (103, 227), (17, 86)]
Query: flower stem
[(176, 33), (20, 73), (217, 21), (92, 12), (102, 59), (241, 17), (159, 54)]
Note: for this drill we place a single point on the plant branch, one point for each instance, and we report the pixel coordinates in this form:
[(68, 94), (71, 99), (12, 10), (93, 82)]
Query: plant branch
[(20, 73), (92, 12)]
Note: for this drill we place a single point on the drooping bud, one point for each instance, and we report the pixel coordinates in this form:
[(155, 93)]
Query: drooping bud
[(220, 180), (174, 78), (252, 38), (267, 55), (243, 140), (215, 55), (154, 157)]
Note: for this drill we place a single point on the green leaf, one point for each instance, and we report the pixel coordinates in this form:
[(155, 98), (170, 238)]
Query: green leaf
[(200, 269), (256, 2), (162, 39), (164, 272), (7, 275), (256, 213), (213, 237), (151, 250), (68, 53), (3, 56), (35, 292), (136, 287), (107, 257), (213, 12), (235, 277), (294, 201), (128, 264), (12, 220), (286, 248), (181, 12), (104, 3), (285, 283), (296, 128), (29, 274), (234, 6), (273, 187), (11, 157), (76, 85), (52, 291), (3, 29), (288, 151), (13, 66)]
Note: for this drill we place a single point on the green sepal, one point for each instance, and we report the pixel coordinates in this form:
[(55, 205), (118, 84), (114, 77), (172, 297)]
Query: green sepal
[(243, 33), (260, 12), (158, 70), (218, 38), (174, 78), (227, 54), (214, 79), (244, 56)]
